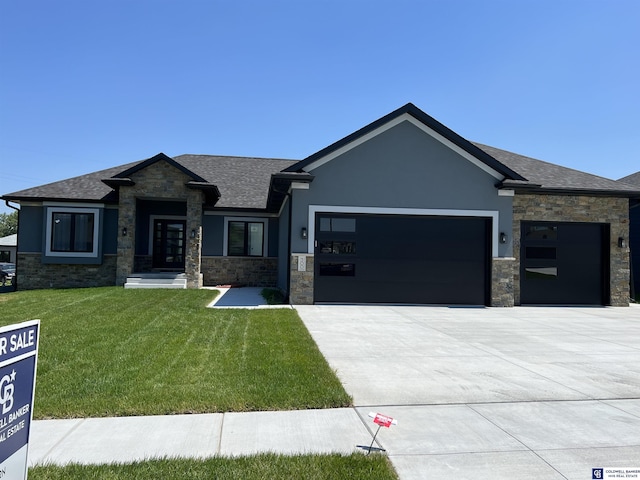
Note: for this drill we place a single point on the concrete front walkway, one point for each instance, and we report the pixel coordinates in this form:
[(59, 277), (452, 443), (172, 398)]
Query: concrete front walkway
[(521, 393), (241, 297)]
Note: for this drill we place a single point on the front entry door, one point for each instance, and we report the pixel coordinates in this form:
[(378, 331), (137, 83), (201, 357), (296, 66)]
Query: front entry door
[(169, 244)]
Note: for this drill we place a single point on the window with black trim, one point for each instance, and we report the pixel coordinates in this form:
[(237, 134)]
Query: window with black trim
[(72, 232), (245, 239)]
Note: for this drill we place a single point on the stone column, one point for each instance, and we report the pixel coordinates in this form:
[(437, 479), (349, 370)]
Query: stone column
[(193, 250), (502, 281), (126, 244), (301, 288)]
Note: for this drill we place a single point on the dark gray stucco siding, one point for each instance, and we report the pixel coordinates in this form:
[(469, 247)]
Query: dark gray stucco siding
[(31, 234), (110, 231), (273, 238), (212, 235), (283, 253), (402, 167)]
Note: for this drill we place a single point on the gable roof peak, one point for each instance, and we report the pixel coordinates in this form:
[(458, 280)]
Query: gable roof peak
[(158, 158), (424, 121)]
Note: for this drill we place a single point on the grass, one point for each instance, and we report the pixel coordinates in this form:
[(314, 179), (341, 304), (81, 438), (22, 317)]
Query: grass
[(310, 467), (272, 296), (115, 352)]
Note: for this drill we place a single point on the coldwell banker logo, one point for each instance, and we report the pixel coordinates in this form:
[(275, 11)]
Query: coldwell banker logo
[(6, 392), (597, 473)]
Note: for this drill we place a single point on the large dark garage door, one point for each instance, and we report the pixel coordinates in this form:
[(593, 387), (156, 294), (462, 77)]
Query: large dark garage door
[(401, 259), (564, 263)]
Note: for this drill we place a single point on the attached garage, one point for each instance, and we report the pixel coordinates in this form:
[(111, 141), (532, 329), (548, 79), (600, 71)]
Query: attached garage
[(371, 258), (564, 263)]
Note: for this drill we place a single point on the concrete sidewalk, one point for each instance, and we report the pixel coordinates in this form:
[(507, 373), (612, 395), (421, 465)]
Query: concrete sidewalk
[(128, 439)]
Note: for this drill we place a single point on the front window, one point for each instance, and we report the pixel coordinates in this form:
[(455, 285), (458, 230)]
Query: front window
[(72, 232), (245, 239)]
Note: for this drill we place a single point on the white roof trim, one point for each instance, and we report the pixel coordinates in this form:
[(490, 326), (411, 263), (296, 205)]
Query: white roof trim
[(405, 117)]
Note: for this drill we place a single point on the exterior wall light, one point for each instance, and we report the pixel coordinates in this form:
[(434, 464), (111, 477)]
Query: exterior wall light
[(503, 237), (193, 233), (124, 231), (303, 233), (621, 242)]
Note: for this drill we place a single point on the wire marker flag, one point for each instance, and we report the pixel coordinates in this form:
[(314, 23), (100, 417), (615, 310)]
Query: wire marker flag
[(381, 421)]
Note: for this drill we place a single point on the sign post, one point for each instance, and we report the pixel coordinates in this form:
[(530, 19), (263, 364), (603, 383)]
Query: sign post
[(18, 361), (381, 421)]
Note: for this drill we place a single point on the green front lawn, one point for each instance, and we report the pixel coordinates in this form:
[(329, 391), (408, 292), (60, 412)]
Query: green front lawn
[(115, 352), (259, 467)]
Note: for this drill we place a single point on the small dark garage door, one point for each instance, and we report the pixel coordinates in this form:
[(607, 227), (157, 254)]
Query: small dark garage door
[(564, 263), (401, 259)]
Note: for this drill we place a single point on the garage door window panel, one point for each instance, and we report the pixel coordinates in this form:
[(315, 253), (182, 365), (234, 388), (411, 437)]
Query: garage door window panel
[(337, 247)]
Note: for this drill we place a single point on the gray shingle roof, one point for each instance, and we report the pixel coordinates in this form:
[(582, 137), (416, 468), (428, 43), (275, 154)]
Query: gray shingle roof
[(633, 179), (243, 182), (84, 187), (552, 177)]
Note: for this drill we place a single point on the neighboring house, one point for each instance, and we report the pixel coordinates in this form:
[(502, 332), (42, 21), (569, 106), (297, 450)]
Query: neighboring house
[(8, 248), (634, 232), (402, 211)]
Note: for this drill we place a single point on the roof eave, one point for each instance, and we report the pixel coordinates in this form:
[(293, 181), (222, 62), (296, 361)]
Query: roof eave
[(115, 182), (105, 199), (280, 185), (576, 191), (211, 191)]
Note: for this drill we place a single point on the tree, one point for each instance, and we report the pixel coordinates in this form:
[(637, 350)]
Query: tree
[(8, 223)]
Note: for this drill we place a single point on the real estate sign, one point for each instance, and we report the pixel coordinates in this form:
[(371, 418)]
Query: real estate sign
[(18, 361)]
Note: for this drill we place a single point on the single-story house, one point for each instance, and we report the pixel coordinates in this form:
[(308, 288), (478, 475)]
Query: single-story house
[(634, 232), (8, 248), (403, 210)]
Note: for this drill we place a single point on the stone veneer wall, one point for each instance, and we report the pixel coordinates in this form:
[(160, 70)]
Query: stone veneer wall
[(143, 263), (249, 271), (579, 208), (33, 274), (502, 275), (301, 288), (159, 181)]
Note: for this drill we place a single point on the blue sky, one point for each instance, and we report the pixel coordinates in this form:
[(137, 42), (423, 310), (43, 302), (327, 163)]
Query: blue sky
[(87, 85)]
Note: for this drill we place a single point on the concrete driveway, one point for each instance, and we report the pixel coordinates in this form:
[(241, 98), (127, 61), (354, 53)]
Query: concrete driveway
[(483, 393)]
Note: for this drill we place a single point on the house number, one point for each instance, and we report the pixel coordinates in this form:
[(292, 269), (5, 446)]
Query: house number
[(302, 263)]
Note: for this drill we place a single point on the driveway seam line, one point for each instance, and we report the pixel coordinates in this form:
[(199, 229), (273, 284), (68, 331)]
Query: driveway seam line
[(470, 406)]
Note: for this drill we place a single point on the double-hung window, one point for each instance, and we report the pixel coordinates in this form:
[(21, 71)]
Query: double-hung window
[(245, 237), (72, 232)]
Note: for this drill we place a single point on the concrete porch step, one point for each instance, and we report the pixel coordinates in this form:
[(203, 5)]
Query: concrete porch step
[(156, 280)]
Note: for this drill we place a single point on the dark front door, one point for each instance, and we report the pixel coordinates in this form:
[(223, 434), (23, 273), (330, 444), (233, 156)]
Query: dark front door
[(401, 259), (564, 263), (169, 244)]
